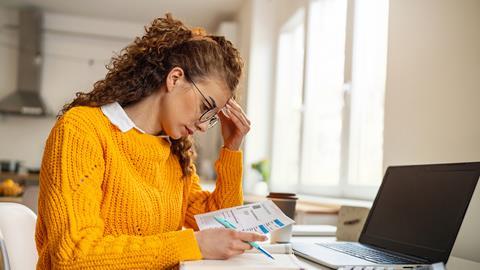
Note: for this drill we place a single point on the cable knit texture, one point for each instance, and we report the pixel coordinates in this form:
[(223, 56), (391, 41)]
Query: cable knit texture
[(117, 200)]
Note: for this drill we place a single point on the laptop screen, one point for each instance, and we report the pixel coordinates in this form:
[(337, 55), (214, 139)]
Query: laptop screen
[(419, 209)]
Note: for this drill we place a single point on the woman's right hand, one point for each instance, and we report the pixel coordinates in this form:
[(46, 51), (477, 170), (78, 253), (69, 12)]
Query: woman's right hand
[(220, 243)]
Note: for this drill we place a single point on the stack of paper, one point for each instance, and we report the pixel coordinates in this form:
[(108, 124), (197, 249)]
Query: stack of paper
[(314, 230)]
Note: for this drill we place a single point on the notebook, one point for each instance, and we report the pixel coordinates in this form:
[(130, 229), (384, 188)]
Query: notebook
[(251, 260)]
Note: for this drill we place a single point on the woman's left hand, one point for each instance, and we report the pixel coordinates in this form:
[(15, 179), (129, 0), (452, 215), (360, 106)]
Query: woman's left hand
[(235, 125)]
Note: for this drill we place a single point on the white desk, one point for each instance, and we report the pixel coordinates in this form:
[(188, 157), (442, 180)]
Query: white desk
[(454, 263)]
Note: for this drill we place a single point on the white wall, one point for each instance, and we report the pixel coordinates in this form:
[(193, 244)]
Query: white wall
[(75, 52), (259, 84), (432, 105), (244, 25)]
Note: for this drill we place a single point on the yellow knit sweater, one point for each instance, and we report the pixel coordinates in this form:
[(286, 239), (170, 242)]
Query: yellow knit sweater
[(117, 200)]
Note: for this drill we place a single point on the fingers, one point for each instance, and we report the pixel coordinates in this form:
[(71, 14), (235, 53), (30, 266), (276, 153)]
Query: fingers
[(237, 115), (244, 128), (221, 243), (223, 113), (233, 242), (242, 121), (233, 107), (240, 245), (233, 252), (250, 236), (235, 247)]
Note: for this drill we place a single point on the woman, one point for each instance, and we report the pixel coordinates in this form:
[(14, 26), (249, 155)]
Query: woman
[(117, 181)]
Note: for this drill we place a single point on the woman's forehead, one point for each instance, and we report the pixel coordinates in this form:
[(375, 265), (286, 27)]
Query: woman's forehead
[(216, 89)]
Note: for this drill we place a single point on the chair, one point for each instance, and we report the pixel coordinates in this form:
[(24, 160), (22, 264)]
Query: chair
[(4, 263), (17, 228)]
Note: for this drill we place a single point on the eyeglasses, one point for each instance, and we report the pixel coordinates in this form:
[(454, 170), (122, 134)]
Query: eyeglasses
[(210, 115)]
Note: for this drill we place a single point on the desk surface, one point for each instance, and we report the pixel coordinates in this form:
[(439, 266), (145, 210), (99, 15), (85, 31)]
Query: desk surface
[(454, 263)]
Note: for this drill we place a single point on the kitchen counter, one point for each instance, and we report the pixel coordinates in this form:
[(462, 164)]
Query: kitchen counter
[(29, 182), (18, 199), (20, 178)]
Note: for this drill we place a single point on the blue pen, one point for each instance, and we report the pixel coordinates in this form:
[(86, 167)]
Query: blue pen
[(229, 225)]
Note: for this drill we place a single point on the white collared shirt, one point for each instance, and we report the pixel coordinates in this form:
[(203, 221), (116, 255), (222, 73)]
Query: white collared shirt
[(118, 117)]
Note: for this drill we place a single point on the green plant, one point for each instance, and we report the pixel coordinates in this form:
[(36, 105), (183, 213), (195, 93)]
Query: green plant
[(263, 167)]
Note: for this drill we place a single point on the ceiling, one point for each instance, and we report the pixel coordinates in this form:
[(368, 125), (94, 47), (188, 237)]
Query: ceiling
[(204, 13)]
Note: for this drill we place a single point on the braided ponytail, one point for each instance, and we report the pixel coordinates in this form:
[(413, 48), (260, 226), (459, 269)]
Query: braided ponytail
[(141, 68)]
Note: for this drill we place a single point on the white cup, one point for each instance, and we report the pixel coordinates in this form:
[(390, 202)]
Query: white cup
[(282, 235), (287, 203)]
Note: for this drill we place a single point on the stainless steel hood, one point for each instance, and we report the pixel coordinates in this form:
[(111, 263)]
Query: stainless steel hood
[(26, 99)]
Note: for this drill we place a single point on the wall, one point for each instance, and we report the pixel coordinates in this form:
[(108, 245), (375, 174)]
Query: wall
[(260, 83), (75, 52), (244, 25), (432, 104)]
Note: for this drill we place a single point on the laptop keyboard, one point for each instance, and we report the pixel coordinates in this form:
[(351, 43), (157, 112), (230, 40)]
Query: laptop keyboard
[(365, 268), (367, 253), (436, 266)]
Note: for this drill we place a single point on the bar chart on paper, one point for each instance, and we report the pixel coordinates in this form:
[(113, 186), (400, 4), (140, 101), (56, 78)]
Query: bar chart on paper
[(262, 217)]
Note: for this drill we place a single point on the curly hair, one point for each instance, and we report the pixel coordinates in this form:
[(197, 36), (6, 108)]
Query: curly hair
[(141, 68)]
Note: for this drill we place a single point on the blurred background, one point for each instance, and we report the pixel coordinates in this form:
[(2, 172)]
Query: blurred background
[(336, 90)]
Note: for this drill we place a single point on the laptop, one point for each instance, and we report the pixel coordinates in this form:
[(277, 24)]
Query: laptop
[(413, 221)]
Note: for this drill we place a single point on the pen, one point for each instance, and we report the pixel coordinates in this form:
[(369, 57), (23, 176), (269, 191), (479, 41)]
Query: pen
[(229, 225)]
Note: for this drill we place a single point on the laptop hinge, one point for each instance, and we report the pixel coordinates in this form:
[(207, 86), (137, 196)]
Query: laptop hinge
[(402, 255)]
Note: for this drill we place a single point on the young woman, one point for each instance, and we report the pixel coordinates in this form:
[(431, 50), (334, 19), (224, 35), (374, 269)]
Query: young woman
[(117, 181)]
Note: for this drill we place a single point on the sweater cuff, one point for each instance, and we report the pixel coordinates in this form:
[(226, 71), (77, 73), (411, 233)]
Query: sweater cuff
[(230, 157), (187, 246), (229, 166)]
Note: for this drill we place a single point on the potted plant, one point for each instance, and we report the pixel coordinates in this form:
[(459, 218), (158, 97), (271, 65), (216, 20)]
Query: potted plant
[(263, 169)]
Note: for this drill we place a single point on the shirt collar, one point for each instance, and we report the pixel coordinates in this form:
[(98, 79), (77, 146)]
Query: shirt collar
[(118, 117)]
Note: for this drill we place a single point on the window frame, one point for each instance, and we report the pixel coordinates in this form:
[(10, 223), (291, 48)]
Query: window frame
[(344, 189)]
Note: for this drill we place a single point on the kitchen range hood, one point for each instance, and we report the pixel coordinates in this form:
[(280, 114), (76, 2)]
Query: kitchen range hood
[(26, 99)]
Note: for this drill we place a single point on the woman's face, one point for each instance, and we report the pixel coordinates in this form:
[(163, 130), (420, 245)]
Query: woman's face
[(183, 104)]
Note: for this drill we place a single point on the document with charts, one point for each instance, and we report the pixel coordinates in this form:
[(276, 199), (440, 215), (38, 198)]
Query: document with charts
[(262, 217)]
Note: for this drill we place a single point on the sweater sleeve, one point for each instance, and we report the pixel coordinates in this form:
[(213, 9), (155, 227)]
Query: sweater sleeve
[(228, 189), (69, 206)]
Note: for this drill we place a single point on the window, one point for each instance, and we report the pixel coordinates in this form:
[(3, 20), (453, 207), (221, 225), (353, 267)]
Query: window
[(369, 63), (328, 121), (288, 102), (322, 132)]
